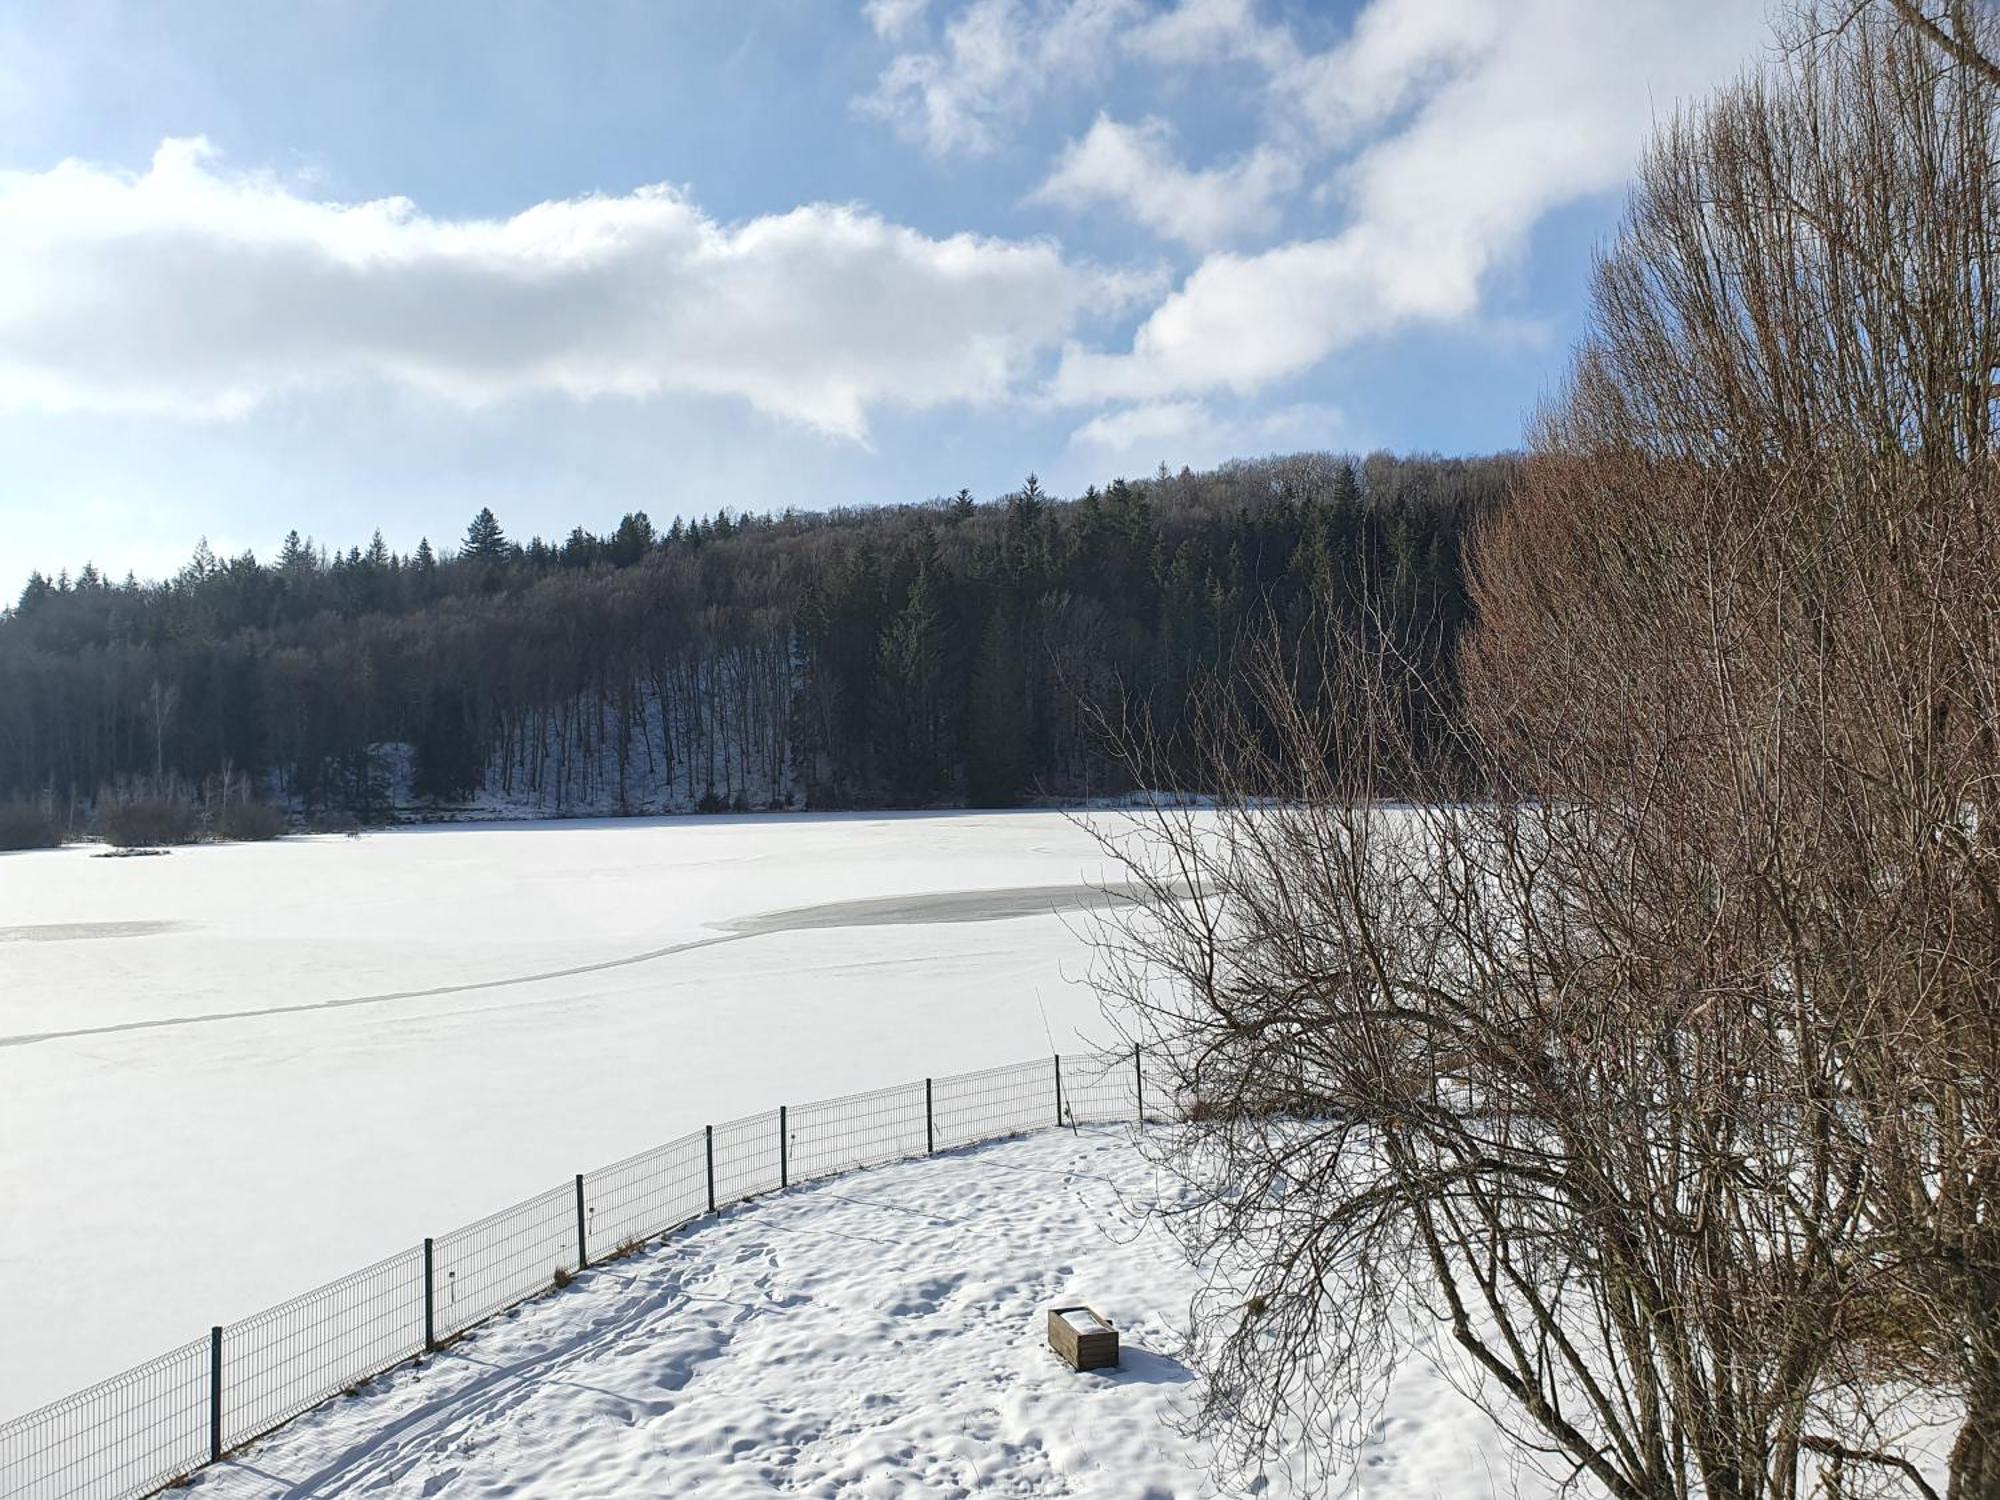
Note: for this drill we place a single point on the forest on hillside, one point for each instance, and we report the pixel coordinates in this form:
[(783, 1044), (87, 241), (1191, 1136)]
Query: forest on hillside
[(916, 655)]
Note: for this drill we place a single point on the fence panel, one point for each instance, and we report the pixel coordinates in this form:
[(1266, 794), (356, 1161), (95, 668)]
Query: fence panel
[(645, 1195), (503, 1258), (995, 1102), (124, 1436), (860, 1130), (1164, 1099), (746, 1157), (1100, 1087), (292, 1357)]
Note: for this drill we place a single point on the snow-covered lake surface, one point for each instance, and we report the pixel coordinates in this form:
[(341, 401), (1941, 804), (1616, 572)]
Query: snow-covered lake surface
[(880, 1334), (235, 1072)]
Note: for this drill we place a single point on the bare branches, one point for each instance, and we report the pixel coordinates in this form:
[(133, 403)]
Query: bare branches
[(1667, 1074), (1959, 42)]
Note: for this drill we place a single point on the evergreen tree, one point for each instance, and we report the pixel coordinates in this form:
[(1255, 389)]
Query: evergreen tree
[(996, 730), (449, 754), (633, 540), (484, 540), (912, 684)]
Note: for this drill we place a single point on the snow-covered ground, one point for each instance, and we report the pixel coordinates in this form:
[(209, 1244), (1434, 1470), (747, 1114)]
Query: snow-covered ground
[(881, 1334), (233, 1073)]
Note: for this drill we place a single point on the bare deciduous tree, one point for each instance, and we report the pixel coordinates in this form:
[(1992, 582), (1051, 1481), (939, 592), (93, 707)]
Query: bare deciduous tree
[(1667, 1074)]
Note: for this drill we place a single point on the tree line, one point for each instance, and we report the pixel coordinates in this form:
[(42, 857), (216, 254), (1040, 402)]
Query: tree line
[(938, 653)]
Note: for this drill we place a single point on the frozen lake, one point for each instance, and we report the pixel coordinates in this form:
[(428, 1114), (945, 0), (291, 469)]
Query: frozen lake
[(235, 1072)]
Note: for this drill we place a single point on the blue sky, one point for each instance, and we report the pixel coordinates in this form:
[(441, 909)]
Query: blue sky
[(336, 266)]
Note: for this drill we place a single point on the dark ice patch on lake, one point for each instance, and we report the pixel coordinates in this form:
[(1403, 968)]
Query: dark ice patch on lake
[(999, 905), (70, 932)]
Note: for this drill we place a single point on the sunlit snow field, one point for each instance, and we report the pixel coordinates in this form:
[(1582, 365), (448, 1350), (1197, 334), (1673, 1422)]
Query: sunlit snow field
[(875, 1335), (234, 1072)]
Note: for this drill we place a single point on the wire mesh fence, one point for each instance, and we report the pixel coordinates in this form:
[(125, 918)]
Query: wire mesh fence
[(644, 1195), (748, 1157), (503, 1259), (995, 1102), (140, 1431), (1098, 1088), (862, 1130), (129, 1435), (292, 1357)]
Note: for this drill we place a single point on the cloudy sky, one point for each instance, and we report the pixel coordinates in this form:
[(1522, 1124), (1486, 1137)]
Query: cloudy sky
[(340, 264)]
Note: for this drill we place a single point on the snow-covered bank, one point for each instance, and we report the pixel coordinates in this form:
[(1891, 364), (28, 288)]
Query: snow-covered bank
[(242, 1071), (880, 1334)]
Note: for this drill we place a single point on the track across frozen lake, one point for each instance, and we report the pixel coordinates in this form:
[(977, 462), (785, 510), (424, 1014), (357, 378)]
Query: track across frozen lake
[(238, 1071), (882, 911)]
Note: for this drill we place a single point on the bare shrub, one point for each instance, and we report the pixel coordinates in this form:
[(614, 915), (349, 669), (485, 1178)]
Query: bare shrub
[(1455, 1062), (248, 822), (144, 821), (25, 826)]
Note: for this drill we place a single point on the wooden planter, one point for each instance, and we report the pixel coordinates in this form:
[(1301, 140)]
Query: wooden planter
[(1083, 1337)]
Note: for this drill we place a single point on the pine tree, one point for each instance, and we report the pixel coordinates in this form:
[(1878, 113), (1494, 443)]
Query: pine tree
[(996, 730), (912, 683), (295, 557), (484, 540), (633, 539), (449, 751)]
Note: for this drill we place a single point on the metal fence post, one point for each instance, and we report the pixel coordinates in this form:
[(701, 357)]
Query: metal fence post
[(582, 1245), (784, 1162), (215, 1394), (430, 1296), (1139, 1082), (930, 1121), (1059, 1112), (708, 1150)]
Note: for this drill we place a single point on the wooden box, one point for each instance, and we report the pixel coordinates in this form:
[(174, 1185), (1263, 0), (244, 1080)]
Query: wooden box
[(1084, 1338)]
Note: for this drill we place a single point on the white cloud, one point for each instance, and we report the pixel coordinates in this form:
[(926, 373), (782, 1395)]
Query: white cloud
[(1138, 438), (186, 290), (892, 18), (998, 57), (1134, 167), (1400, 48), (1193, 33), (1502, 113)]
